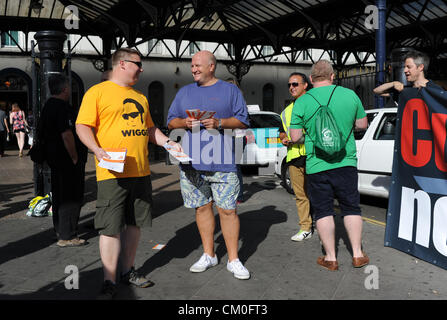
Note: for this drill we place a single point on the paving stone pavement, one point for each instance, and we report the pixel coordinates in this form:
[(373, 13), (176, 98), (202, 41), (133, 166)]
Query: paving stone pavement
[(32, 267)]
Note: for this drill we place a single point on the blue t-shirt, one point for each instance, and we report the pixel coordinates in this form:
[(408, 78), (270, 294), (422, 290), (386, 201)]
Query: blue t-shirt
[(209, 151)]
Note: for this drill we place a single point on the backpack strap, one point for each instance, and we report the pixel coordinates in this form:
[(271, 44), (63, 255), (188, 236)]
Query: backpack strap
[(352, 129), (331, 96), (328, 106), (320, 103)]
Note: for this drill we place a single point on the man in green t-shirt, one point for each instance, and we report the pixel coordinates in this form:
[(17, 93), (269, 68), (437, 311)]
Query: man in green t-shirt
[(337, 177)]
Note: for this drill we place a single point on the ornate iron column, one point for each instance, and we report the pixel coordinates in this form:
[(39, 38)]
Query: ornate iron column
[(238, 69)]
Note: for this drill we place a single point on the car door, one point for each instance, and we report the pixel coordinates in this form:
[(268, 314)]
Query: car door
[(375, 155)]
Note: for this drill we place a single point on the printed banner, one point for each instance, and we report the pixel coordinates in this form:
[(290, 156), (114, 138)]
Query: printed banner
[(417, 209)]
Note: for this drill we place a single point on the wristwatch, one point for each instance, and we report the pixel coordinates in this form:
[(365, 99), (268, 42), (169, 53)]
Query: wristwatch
[(220, 125)]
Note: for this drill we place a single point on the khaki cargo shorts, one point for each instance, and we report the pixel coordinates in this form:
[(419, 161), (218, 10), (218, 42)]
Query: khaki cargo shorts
[(122, 202)]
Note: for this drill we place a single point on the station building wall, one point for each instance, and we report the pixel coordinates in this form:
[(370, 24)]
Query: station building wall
[(175, 74)]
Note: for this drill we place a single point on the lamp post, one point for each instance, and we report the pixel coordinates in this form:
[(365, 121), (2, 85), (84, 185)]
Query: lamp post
[(381, 50)]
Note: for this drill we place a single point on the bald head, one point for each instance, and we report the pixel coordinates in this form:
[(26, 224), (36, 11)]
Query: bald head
[(203, 68), (321, 71), (206, 56)]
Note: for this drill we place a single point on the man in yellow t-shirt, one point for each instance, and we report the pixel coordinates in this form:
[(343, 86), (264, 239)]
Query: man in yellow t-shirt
[(113, 115)]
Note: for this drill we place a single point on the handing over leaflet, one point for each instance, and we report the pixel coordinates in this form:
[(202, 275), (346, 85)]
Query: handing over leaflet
[(116, 161)]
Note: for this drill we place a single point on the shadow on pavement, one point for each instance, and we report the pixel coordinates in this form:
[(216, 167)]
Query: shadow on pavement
[(340, 234), (166, 201), (10, 191), (41, 240), (255, 187), (255, 226), (185, 241), (89, 286)]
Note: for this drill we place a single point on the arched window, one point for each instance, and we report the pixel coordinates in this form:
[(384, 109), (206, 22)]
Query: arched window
[(268, 97), (15, 86), (77, 90), (156, 103)]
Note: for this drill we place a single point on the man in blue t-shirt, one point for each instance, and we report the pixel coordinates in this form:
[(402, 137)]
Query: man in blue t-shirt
[(211, 176)]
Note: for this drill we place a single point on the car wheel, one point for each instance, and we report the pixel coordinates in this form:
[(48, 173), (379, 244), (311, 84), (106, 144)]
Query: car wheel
[(285, 177)]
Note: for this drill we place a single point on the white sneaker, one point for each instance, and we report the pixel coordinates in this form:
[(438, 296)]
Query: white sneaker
[(302, 235), (204, 263), (238, 270)]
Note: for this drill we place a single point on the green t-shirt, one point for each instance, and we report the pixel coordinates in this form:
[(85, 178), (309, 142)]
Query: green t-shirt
[(346, 107)]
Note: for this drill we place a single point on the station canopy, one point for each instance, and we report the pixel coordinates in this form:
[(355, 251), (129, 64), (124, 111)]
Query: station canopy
[(337, 25)]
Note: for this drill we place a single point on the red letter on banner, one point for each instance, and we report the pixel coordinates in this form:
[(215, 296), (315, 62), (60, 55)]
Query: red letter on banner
[(439, 134), (423, 155)]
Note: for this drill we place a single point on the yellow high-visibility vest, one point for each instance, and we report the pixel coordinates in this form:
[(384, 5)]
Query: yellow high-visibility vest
[(295, 150)]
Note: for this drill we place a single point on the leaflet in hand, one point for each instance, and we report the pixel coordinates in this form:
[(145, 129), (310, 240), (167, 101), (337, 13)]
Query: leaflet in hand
[(200, 115), (180, 156), (116, 161)]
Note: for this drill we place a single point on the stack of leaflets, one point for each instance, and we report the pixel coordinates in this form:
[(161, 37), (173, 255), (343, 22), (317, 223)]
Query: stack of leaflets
[(116, 161), (200, 115)]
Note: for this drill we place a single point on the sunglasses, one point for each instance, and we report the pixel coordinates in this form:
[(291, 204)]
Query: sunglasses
[(138, 63), (133, 115), (293, 84)]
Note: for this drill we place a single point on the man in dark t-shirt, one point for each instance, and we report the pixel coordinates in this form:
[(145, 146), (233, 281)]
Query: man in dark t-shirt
[(4, 130), (66, 156), (415, 66)]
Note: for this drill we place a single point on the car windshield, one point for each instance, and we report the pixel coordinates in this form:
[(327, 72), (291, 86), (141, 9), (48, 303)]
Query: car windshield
[(265, 121)]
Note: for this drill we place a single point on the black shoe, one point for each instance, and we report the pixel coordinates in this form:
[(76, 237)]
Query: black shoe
[(133, 278), (108, 291)]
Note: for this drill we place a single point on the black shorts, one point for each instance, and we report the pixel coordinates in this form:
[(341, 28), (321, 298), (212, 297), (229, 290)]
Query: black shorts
[(122, 202), (340, 184)]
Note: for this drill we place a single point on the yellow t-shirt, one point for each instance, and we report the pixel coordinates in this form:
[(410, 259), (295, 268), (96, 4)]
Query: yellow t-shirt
[(120, 117)]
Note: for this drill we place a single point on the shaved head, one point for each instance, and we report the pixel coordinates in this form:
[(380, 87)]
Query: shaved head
[(203, 67), (322, 70), (207, 56)]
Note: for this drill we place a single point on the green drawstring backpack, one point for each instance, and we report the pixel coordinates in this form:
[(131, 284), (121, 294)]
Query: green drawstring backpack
[(328, 138)]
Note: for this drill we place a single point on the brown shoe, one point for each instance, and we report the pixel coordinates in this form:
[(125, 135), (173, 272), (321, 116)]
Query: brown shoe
[(76, 242), (330, 265), (360, 261)]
